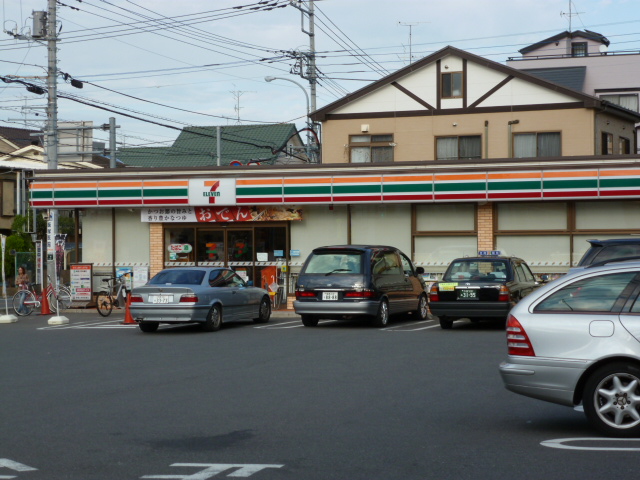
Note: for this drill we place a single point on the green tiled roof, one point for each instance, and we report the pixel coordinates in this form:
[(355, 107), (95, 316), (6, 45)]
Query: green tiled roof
[(197, 146)]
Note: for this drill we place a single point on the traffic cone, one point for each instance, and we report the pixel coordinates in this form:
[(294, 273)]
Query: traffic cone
[(44, 304), (128, 319)]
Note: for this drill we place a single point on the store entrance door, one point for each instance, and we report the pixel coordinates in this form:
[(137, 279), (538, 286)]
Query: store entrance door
[(240, 252)]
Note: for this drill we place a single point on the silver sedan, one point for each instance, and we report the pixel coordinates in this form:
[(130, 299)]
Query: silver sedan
[(198, 295), (576, 342)]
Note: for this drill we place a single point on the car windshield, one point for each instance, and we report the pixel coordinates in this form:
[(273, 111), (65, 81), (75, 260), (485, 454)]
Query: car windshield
[(477, 270), (178, 277), (334, 262)]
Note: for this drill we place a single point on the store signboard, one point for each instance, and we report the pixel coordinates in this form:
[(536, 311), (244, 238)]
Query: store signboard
[(81, 275), (219, 214), (212, 192)]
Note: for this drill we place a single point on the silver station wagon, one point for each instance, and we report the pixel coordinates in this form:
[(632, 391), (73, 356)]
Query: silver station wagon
[(576, 342), (205, 295)]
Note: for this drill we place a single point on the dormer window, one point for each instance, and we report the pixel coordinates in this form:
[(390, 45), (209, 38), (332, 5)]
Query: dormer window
[(452, 85), (579, 49)]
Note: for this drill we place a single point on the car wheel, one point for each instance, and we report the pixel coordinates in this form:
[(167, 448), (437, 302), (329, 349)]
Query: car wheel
[(309, 320), (381, 319), (423, 308), (148, 327), (612, 400), (445, 323), (214, 320), (264, 313)]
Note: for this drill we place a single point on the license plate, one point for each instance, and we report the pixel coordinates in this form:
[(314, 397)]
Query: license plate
[(160, 298), (468, 294), (329, 295)]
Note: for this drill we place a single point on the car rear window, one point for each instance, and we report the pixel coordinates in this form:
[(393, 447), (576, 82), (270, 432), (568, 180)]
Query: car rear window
[(482, 270), (178, 277), (334, 262), (608, 252)]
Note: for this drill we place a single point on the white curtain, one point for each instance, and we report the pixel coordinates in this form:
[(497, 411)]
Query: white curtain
[(360, 155), (524, 145), (447, 148), (548, 145)]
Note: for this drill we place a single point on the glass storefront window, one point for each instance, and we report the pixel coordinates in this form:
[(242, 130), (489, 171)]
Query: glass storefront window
[(446, 218), (532, 216), (543, 253), (612, 215), (210, 246), (179, 245), (435, 253)]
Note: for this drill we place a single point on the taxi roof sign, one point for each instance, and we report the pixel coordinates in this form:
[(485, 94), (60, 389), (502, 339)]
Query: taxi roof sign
[(489, 253)]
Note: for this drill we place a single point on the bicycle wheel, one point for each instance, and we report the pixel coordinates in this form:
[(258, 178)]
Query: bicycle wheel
[(104, 304), (61, 301), (23, 303)]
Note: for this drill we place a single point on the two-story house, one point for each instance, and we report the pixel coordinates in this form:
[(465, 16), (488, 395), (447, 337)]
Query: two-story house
[(586, 62)]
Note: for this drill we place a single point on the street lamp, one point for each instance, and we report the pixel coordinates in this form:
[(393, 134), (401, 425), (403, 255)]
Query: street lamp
[(309, 125)]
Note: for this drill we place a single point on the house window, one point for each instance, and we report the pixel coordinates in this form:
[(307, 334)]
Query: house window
[(370, 148), (624, 146), (537, 145), (459, 148), (452, 85), (629, 101), (579, 49), (607, 143)]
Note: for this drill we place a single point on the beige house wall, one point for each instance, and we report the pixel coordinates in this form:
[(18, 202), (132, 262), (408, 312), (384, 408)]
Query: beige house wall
[(415, 136)]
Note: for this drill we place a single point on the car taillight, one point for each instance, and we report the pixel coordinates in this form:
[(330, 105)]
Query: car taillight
[(434, 293), (135, 298), (362, 294), (517, 340), (304, 294), (503, 295), (189, 298)]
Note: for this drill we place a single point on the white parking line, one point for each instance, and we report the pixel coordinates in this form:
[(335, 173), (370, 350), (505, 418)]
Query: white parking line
[(402, 328), (87, 324), (297, 324), (562, 444)]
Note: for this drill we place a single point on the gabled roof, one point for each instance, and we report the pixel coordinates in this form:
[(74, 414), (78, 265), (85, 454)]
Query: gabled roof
[(570, 77), (588, 100), (20, 137), (586, 34), (197, 146)]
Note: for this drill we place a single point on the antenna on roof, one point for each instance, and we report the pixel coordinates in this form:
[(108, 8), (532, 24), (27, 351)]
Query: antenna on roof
[(570, 15)]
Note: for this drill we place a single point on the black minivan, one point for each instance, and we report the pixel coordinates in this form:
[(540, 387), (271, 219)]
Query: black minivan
[(350, 281)]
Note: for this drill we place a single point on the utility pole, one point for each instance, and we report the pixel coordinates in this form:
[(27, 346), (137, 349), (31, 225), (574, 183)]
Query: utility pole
[(51, 132), (309, 73)]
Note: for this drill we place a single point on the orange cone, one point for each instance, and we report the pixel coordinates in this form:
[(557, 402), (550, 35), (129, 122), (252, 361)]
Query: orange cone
[(128, 319), (44, 304)]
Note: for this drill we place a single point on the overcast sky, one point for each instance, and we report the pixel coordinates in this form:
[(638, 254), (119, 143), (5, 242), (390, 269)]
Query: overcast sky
[(203, 62)]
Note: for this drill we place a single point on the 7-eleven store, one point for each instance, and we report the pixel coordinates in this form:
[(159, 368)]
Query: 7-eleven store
[(263, 223)]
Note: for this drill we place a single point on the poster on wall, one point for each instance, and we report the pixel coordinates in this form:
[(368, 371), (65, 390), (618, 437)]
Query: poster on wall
[(81, 275), (127, 275), (140, 275)]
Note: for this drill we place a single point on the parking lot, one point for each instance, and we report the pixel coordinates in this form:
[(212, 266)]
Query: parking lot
[(101, 400)]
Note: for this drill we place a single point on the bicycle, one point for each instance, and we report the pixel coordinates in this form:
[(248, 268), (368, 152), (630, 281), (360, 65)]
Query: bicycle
[(59, 298), (26, 299), (115, 296)]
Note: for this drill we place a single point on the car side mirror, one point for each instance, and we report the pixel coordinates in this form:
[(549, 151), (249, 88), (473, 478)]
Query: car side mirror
[(250, 283), (419, 270), (544, 278)]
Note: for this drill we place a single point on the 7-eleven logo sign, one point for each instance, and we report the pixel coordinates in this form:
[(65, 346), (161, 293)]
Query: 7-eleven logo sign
[(212, 191)]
